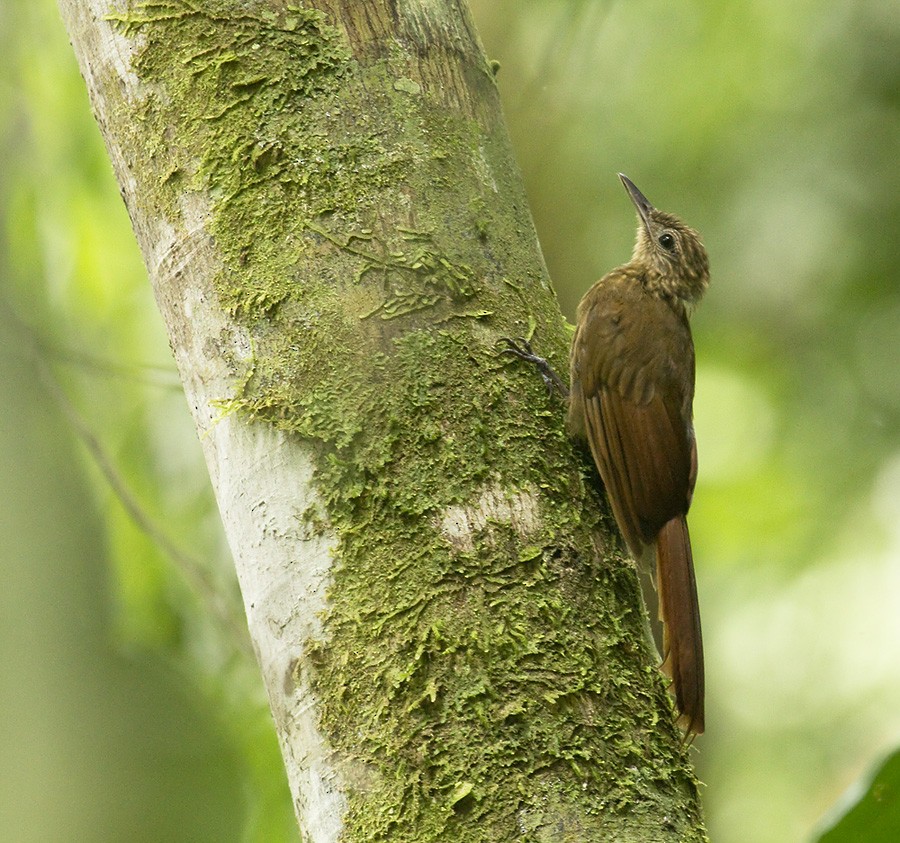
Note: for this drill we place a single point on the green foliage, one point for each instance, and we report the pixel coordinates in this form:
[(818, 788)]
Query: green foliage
[(875, 815)]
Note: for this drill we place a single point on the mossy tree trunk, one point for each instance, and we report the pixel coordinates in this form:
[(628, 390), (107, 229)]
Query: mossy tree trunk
[(337, 235)]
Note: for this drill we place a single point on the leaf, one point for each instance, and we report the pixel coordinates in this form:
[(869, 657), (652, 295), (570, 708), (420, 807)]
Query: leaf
[(875, 815)]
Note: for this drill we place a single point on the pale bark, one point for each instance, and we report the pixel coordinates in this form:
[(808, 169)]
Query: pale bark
[(451, 645)]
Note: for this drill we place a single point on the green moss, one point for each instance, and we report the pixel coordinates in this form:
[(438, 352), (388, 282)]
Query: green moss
[(244, 84), (368, 233), (510, 671)]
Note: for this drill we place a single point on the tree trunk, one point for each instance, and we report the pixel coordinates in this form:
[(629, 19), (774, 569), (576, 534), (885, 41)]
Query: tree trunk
[(337, 235)]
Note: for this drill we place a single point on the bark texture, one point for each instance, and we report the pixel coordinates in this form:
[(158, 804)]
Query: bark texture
[(337, 235)]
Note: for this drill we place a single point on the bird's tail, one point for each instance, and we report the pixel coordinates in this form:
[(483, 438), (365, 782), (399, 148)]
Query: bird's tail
[(680, 613)]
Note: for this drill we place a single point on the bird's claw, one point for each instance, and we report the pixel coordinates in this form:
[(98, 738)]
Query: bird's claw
[(521, 348)]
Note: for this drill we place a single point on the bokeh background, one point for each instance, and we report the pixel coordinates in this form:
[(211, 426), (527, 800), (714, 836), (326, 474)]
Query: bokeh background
[(129, 706)]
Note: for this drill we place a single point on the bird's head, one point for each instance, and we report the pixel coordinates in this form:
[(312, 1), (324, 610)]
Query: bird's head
[(670, 252)]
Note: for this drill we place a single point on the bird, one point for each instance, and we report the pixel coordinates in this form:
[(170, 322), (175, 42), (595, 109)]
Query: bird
[(630, 397)]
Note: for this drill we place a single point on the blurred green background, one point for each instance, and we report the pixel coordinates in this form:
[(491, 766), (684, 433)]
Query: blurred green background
[(130, 707)]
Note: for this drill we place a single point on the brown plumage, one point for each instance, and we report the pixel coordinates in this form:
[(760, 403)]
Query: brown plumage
[(632, 389)]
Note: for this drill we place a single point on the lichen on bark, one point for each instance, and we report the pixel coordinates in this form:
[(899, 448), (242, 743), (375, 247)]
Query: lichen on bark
[(374, 241)]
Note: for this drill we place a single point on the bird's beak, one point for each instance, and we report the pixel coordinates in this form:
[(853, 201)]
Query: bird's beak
[(640, 201)]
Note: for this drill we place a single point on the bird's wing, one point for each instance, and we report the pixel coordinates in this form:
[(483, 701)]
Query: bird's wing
[(635, 389)]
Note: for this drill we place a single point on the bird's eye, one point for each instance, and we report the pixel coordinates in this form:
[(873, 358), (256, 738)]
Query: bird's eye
[(667, 241)]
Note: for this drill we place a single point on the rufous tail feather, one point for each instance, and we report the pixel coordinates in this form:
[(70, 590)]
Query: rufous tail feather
[(680, 613)]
